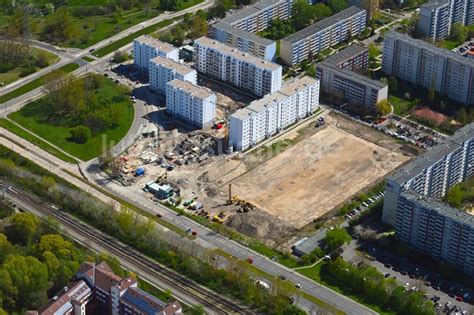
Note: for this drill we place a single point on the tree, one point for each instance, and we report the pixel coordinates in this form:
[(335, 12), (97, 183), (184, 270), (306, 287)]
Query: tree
[(42, 60), (29, 278), (80, 134), (279, 29), (374, 52), (336, 238), (459, 32), (392, 84), (5, 247), (454, 196), (60, 26), (56, 245), (321, 11), (383, 107), (337, 5), (301, 14), (119, 56), (461, 116), (196, 310), (22, 227), (199, 26)]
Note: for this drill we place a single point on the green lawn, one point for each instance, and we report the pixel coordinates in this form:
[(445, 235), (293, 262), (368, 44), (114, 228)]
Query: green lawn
[(15, 74), (401, 106), (128, 39), (88, 59), (33, 117), (182, 5), (30, 86), (5, 123)]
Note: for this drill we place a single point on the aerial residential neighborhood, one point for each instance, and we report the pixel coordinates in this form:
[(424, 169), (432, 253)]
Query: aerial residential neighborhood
[(237, 157)]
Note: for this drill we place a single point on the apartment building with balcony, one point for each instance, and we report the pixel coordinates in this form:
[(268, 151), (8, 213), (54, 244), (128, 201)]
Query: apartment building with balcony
[(146, 48), (194, 104), (238, 29), (272, 113), (437, 17), (322, 35), (436, 229), (426, 65), (432, 173), (163, 70), (220, 61), (245, 41), (340, 74)]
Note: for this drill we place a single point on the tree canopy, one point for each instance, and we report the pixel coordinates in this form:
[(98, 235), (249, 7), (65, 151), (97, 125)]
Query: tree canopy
[(335, 238)]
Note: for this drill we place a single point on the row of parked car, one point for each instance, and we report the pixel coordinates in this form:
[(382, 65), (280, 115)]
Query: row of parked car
[(364, 206), (464, 48)]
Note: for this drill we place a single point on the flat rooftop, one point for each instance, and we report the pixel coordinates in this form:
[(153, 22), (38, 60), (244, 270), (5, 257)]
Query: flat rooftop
[(430, 47), (351, 75), (285, 92), (153, 42), (243, 34), (346, 54), (323, 24), (236, 53), (434, 4), (250, 10), (192, 89), (441, 208), (171, 64), (434, 155)]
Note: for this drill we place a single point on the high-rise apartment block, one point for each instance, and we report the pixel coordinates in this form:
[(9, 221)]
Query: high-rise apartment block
[(146, 48), (322, 35), (192, 103), (436, 229), (228, 64), (437, 17), (340, 75), (272, 113), (238, 29), (412, 201), (428, 66), (163, 70), (434, 172)]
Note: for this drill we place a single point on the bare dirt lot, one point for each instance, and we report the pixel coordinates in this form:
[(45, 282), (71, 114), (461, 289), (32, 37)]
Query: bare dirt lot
[(317, 174)]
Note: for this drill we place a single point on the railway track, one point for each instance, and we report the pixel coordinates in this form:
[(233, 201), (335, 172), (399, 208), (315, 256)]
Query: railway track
[(211, 301)]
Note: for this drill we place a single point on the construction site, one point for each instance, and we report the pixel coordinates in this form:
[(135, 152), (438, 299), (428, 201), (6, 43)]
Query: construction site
[(271, 191)]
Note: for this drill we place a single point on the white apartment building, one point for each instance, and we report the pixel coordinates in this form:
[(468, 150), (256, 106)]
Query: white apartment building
[(146, 48), (322, 35), (272, 113), (428, 66), (245, 41), (163, 70), (228, 64), (436, 17), (192, 103)]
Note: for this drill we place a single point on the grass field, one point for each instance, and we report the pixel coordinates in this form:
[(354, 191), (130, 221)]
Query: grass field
[(33, 117), (128, 39), (401, 106), (5, 123), (88, 59), (30, 86), (15, 74)]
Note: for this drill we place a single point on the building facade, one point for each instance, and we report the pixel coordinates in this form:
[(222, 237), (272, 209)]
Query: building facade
[(192, 103), (228, 64), (146, 48), (96, 289), (339, 74), (426, 65), (433, 173), (244, 41), (436, 17), (436, 229), (238, 29), (274, 112), (322, 35), (163, 70)]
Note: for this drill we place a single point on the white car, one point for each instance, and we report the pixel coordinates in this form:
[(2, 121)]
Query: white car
[(298, 285)]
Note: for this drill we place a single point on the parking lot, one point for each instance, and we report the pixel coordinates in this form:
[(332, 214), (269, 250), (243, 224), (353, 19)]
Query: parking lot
[(449, 297), (410, 131), (465, 47)]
